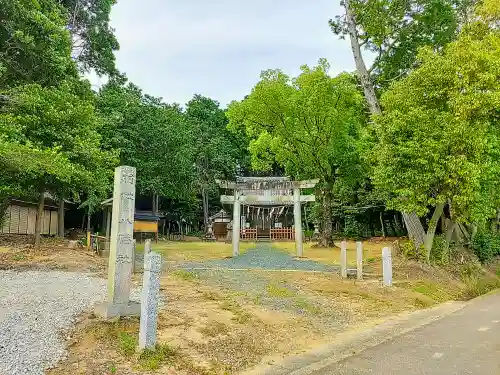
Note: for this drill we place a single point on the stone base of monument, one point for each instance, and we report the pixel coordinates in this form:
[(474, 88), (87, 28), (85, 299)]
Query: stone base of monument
[(106, 310)]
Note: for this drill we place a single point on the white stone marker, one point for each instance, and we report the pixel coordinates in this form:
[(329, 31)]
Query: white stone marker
[(149, 300), (236, 223), (147, 247), (359, 260), (297, 221), (343, 259), (133, 255), (121, 248), (387, 266)]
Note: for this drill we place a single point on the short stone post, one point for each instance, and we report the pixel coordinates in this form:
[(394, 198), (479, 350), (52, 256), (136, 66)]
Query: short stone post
[(121, 248), (149, 300), (236, 223), (359, 260), (387, 266), (297, 221), (343, 259), (133, 255), (147, 247)]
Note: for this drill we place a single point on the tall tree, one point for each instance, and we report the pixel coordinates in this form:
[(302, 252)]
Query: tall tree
[(94, 42), (58, 122), (34, 44), (308, 125), (393, 31), (216, 151), (152, 136), (439, 129)]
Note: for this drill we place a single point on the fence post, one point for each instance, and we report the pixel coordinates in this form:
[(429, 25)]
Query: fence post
[(387, 266), (343, 259), (359, 259)]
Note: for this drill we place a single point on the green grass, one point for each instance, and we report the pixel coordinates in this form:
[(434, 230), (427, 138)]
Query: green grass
[(153, 359), (303, 304), (274, 290), (185, 275), (432, 291), (476, 286), (19, 257), (240, 315), (127, 343), (212, 296)]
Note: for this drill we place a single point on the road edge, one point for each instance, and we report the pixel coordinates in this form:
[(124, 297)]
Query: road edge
[(354, 342)]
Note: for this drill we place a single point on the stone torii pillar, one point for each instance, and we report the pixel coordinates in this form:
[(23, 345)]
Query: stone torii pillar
[(297, 211), (297, 221), (236, 223)]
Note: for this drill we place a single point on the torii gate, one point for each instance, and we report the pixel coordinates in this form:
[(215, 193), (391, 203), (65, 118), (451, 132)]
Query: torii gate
[(296, 199)]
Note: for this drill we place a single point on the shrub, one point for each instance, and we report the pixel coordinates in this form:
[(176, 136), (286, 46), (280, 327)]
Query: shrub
[(476, 286), (409, 251), (308, 233), (486, 245), (355, 229), (440, 250)]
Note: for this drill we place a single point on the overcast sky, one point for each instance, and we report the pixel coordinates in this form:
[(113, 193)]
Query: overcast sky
[(177, 48)]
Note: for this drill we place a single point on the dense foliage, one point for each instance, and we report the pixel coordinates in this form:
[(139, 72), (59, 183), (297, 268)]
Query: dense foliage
[(308, 125), (427, 146)]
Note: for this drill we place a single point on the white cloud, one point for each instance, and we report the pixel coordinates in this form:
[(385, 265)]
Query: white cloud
[(175, 48)]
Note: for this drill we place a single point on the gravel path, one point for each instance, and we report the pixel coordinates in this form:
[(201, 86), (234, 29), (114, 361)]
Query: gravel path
[(264, 257), (35, 307)]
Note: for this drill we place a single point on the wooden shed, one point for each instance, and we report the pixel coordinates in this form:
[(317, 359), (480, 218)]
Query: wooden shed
[(219, 223), (144, 221), (20, 218)]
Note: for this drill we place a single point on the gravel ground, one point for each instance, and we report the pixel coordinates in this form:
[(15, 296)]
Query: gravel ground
[(264, 257), (272, 291), (35, 308)]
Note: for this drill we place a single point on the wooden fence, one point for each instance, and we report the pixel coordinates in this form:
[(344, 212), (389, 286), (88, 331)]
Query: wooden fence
[(248, 234), (278, 234)]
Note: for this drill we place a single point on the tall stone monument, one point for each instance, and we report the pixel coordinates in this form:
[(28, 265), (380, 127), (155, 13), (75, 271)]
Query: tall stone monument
[(121, 248)]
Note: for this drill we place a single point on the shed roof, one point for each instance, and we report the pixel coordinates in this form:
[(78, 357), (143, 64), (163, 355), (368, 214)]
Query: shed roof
[(221, 213)]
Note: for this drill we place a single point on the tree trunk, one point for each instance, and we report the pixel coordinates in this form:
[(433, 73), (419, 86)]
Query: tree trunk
[(154, 209), (364, 76), (204, 197), (382, 224), (60, 218), (327, 232), (452, 226), (414, 231), (431, 230), (39, 214)]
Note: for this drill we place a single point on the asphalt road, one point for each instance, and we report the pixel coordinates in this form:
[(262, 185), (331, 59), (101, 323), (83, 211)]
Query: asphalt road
[(465, 342)]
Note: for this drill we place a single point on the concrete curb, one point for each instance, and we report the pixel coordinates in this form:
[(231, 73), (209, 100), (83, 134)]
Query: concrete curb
[(352, 343)]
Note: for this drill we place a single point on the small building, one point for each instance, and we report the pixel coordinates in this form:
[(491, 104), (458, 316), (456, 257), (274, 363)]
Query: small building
[(219, 223), (144, 221), (20, 217)]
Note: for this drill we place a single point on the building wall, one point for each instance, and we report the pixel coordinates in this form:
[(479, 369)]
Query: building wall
[(21, 220)]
